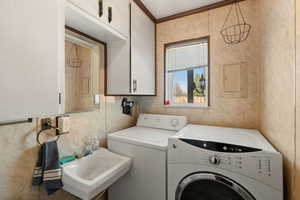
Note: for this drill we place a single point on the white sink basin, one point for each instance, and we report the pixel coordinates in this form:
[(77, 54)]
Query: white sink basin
[(90, 175)]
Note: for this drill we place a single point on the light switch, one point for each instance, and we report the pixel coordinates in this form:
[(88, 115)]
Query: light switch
[(97, 99)]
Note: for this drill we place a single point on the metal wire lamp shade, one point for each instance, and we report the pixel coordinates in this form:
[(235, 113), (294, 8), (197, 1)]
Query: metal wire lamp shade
[(238, 32)]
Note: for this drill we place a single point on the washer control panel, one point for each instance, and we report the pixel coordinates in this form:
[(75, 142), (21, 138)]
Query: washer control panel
[(168, 122)]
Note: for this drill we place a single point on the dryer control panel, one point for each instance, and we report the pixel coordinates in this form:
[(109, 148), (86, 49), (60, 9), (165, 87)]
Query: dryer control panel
[(251, 162), (220, 147), (262, 166)]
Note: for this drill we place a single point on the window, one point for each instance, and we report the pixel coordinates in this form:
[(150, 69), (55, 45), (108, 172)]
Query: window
[(187, 73)]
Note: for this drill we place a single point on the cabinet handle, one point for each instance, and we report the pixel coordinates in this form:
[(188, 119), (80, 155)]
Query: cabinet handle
[(109, 14), (100, 8), (59, 98), (134, 87)]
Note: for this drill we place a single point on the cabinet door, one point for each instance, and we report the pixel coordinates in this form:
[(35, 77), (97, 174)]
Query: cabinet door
[(142, 52), (118, 52), (118, 15), (95, 8), (118, 68), (89, 6), (31, 58)]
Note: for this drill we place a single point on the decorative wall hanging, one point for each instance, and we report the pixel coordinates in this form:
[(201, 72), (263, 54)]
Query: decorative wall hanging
[(237, 31)]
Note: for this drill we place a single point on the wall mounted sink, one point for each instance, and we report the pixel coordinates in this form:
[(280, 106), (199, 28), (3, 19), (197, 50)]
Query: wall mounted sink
[(90, 175)]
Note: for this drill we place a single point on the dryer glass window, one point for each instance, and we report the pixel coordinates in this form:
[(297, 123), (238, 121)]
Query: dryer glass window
[(209, 190), (210, 186)]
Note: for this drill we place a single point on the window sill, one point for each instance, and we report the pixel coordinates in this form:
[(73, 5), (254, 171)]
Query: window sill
[(187, 106)]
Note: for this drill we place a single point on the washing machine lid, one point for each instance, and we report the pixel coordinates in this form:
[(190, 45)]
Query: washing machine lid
[(143, 136), (242, 137)]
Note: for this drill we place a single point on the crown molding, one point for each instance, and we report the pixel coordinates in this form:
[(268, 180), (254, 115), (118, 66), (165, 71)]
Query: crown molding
[(145, 9), (197, 10), (183, 14)]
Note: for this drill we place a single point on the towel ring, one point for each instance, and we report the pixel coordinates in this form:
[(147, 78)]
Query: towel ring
[(41, 131)]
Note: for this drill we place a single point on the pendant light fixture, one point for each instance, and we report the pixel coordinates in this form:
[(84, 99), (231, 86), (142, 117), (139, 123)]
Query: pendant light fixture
[(234, 32)]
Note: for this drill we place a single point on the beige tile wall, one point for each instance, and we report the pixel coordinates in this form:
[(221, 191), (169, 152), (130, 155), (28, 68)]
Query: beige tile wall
[(277, 102), (297, 183), (18, 147), (234, 112)]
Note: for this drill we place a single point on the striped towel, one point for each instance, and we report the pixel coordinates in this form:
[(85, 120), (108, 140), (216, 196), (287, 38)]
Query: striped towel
[(48, 171)]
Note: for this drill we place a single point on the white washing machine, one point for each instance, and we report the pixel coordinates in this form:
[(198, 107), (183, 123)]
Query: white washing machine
[(215, 163), (146, 144)]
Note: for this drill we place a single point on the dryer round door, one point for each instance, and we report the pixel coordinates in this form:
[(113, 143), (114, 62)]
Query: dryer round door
[(210, 186)]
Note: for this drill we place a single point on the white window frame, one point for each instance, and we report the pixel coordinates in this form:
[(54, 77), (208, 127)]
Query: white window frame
[(167, 88)]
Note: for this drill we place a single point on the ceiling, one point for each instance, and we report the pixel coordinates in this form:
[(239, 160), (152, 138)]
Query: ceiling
[(165, 8)]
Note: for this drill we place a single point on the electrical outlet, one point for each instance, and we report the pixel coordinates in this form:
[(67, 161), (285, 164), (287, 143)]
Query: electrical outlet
[(63, 124)]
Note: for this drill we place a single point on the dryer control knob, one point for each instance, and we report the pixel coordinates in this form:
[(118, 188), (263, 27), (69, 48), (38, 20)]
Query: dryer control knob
[(214, 160), (174, 122)]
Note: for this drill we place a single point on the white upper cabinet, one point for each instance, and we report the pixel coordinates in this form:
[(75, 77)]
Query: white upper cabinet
[(118, 68), (118, 52), (90, 6), (31, 58), (142, 52), (131, 64), (106, 20), (117, 12)]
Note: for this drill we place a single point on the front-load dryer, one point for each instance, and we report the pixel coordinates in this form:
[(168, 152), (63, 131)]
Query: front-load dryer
[(215, 163)]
